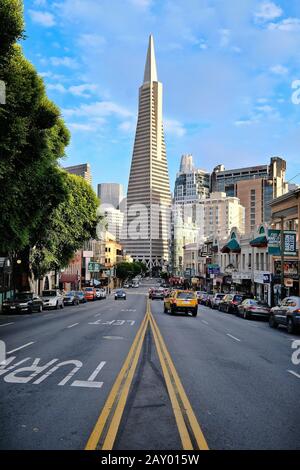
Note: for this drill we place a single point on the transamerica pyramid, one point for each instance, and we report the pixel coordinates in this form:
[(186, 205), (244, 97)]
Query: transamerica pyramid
[(149, 196)]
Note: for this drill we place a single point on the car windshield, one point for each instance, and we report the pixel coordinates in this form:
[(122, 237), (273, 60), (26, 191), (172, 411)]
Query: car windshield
[(120, 291), (238, 297), (49, 293), (23, 296), (185, 295)]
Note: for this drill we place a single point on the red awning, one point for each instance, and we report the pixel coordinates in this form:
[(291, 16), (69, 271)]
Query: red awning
[(68, 278)]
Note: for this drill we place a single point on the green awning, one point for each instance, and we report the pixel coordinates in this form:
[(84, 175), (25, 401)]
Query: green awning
[(260, 241), (233, 245)]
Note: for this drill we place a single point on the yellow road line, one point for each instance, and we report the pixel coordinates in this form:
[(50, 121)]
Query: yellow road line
[(118, 392), (171, 376)]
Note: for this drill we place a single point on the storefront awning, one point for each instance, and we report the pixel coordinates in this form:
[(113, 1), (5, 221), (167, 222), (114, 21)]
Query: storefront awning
[(261, 241), (68, 278), (233, 246)]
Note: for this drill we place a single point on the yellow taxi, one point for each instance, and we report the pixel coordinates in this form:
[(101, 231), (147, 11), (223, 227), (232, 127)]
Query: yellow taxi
[(181, 301)]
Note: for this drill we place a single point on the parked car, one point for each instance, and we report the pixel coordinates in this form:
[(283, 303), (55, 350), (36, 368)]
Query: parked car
[(71, 298), (157, 294), (181, 301), (230, 302), (103, 293), (98, 293), (81, 297), (199, 294), (286, 314), (90, 293), (216, 299), (120, 294), (204, 297), (253, 308), (53, 299), (23, 302), (208, 300), (126, 285)]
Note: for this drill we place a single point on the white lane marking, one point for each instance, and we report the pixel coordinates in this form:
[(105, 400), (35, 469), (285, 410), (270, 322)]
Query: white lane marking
[(233, 337), (113, 337), (294, 373), (71, 326), (98, 314), (205, 322), (6, 324), (21, 347), (90, 381)]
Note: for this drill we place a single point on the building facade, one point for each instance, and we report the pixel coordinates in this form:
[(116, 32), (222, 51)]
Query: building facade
[(148, 196), (83, 170), (111, 194), (191, 184)]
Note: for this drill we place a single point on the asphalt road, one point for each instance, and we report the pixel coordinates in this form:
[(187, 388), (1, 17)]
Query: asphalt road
[(236, 375)]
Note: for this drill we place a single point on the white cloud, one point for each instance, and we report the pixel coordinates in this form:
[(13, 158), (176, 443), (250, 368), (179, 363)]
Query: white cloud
[(225, 37), (143, 4), (84, 90), (289, 24), (81, 127), (174, 127), (268, 11), (127, 126), (279, 70), (43, 18), (99, 109), (64, 61), (91, 40), (57, 87)]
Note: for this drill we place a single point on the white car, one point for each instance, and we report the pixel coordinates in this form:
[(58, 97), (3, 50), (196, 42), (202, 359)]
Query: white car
[(103, 293), (98, 293), (53, 299)]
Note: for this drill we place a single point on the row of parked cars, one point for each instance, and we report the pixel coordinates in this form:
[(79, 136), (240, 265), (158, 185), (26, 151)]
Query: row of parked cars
[(287, 313), (29, 302)]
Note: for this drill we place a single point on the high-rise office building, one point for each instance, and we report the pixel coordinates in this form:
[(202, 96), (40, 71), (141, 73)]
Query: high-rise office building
[(255, 186), (149, 196), (83, 170), (111, 193), (191, 184)]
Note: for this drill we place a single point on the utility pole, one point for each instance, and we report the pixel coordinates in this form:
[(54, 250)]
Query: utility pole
[(282, 257)]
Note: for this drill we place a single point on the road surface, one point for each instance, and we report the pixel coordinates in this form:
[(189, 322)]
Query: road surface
[(124, 375)]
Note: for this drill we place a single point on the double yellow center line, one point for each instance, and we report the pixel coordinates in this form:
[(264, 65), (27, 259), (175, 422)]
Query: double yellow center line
[(106, 428)]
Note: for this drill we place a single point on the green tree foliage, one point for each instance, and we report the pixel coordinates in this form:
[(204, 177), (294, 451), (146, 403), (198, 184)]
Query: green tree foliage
[(72, 223), (32, 139), (11, 25), (127, 270)]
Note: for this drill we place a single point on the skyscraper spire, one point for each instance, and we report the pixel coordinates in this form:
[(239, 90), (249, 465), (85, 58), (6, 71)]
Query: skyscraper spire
[(150, 68), (148, 196)]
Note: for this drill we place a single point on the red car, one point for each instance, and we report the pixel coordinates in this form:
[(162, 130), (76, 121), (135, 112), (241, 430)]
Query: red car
[(90, 293)]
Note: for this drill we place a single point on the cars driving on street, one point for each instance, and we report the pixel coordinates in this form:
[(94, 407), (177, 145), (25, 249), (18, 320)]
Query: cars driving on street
[(216, 299), (81, 297), (53, 299), (230, 302), (120, 294), (71, 298), (181, 301), (157, 293), (250, 308), (23, 302), (286, 314), (90, 293)]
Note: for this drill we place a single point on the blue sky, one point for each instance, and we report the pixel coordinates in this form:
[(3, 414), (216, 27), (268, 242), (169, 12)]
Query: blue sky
[(228, 68)]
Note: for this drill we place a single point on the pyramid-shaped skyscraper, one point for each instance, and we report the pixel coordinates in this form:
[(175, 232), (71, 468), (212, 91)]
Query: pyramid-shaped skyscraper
[(149, 196)]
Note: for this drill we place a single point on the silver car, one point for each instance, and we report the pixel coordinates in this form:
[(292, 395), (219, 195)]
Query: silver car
[(216, 299), (286, 314), (53, 299)]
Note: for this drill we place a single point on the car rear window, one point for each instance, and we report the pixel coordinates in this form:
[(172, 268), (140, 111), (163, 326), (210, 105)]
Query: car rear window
[(220, 296), (185, 295), (239, 297)]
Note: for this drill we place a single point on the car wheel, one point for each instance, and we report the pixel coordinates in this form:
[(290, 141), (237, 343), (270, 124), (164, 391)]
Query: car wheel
[(56, 306), (165, 309), (272, 322), (40, 309), (246, 315), (195, 312), (62, 305), (290, 326)]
